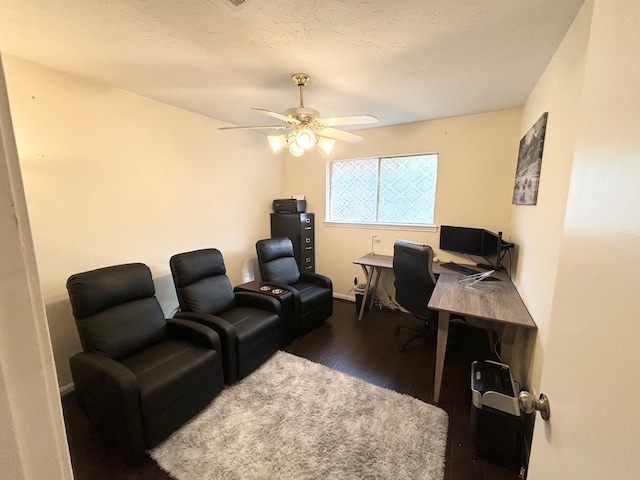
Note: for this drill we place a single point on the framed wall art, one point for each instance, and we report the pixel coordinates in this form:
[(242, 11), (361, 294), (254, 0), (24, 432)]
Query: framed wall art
[(525, 188)]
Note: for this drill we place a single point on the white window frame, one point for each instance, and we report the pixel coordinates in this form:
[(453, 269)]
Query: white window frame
[(377, 225)]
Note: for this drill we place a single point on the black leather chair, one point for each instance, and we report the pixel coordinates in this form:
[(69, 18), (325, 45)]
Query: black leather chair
[(414, 282), (248, 323), (140, 377), (312, 292)]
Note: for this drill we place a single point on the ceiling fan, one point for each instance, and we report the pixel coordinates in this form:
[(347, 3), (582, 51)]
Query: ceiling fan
[(305, 128)]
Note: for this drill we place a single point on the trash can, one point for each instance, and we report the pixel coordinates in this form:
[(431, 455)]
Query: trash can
[(495, 414), (359, 290)]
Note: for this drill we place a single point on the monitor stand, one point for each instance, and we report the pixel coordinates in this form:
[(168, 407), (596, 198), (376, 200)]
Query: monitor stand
[(489, 267)]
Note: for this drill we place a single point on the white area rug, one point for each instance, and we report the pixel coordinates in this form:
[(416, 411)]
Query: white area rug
[(295, 419)]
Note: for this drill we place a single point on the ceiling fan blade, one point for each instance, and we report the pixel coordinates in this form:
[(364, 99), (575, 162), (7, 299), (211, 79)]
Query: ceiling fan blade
[(339, 135), (279, 116), (348, 120), (258, 127)]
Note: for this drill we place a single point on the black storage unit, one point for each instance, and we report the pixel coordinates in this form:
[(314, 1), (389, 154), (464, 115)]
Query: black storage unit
[(495, 414), (299, 228)]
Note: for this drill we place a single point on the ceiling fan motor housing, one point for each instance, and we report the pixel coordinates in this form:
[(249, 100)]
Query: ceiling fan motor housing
[(303, 114)]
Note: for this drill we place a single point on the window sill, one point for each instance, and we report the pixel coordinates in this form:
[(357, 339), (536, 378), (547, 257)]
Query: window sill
[(381, 226)]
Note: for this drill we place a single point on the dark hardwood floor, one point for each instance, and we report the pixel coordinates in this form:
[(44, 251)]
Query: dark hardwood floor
[(368, 350)]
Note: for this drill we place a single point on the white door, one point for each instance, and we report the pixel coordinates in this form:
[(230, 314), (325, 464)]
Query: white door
[(32, 437), (591, 370)]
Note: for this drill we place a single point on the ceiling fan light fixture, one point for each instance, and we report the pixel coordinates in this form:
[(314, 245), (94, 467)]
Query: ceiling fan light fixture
[(326, 144), (305, 127), (295, 149), (305, 138), (276, 142)]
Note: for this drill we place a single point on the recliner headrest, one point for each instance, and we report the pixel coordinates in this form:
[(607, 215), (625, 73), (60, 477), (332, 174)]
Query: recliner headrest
[(273, 248), (277, 261), (189, 267), (97, 290)]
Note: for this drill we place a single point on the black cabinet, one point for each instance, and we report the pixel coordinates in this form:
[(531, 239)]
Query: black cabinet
[(299, 228)]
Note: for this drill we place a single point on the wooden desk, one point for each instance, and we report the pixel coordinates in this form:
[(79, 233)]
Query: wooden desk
[(503, 305), (372, 265)]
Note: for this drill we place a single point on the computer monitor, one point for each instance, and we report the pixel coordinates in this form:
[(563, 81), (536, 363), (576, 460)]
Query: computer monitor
[(461, 239), (492, 247), (472, 241)]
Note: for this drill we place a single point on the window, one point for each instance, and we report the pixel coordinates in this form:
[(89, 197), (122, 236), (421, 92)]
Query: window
[(387, 190)]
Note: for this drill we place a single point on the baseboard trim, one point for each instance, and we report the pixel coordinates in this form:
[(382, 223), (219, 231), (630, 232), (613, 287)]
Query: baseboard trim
[(66, 389), (342, 296)]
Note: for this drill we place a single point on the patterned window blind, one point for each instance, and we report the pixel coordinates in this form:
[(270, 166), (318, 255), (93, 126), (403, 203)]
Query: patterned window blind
[(387, 190)]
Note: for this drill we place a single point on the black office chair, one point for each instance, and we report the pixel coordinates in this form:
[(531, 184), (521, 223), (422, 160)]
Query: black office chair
[(414, 282), (312, 292), (248, 323), (140, 377)]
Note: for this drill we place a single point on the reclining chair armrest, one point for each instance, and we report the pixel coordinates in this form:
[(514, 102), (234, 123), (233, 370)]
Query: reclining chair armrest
[(225, 331), (103, 375), (109, 391), (256, 300), (295, 304), (194, 333), (316, 279), (288, 288)]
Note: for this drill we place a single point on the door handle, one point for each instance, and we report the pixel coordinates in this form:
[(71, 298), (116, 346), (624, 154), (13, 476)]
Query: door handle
[(528, 404)]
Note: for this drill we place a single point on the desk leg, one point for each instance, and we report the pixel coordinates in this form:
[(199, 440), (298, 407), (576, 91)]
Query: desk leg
[(366, 291), (364, 269), (377, 270), (441, 349)]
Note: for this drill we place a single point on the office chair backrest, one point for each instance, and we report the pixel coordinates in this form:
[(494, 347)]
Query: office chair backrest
[(277, 261), (414, 279), (201, 281), (116, 310)]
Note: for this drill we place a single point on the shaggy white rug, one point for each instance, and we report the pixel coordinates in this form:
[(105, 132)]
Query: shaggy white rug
[(295, 419)]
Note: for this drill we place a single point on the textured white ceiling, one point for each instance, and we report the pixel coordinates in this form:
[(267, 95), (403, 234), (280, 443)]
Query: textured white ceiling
[(400, 60)]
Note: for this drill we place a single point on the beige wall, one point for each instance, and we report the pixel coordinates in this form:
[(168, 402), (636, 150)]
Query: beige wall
[(537, 230), (476, 168), (111, 177)]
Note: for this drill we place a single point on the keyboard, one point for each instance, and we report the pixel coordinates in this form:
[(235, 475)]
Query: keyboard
[(459, 268)]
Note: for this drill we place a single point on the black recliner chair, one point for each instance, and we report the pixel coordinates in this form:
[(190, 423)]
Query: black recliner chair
[(140, 377), (312, 292), (248, 323), (414, 282)]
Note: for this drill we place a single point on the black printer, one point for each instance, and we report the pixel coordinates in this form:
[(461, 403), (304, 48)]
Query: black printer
[(289, 205)]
